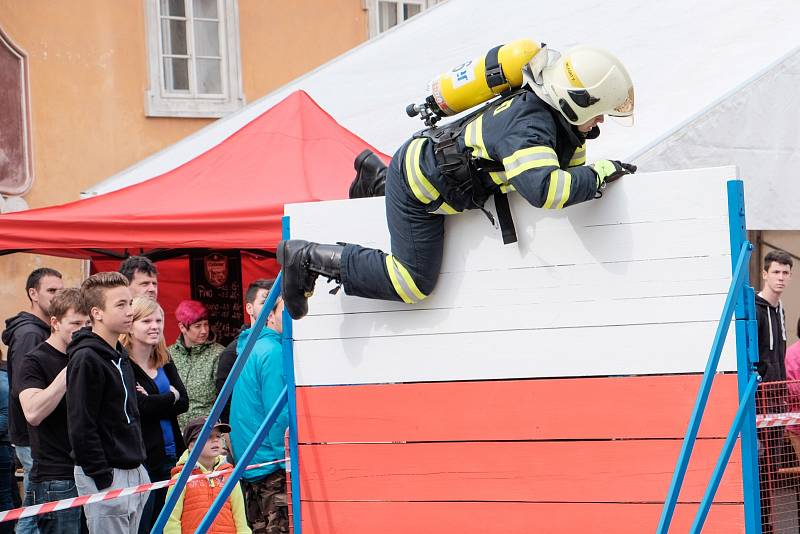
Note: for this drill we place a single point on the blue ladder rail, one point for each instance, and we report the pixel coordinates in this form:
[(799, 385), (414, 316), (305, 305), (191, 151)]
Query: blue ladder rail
[(725, 455), (286, 397), (705, 388), (216, 411), (243, 462), (291, 382), (741, 302)]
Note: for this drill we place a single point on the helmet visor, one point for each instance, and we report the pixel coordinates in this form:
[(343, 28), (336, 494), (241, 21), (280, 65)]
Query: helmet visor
[(626, 121), (623, 114), (626, 108)]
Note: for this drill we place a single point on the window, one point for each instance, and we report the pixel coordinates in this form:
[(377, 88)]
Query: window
[(385, 15), (194, 60), (16, 168)]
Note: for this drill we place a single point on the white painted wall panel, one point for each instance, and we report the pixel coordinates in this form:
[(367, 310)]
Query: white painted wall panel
[(632, 283), (549, 284), (563, 352)]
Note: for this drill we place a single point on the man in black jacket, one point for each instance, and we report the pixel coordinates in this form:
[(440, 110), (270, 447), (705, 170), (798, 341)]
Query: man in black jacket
[(42, 384), (104, 428), (24, 332)]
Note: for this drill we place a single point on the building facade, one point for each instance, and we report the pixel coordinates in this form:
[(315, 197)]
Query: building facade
[(90, 87)]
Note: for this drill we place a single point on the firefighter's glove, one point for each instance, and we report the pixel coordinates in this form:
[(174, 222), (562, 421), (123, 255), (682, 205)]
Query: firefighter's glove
[(611, 170)]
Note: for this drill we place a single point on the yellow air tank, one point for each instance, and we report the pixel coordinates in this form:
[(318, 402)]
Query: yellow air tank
[(468, 85)]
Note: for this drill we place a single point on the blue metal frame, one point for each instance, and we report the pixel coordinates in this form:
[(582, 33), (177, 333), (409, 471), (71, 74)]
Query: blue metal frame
[(740, 300), (705, 389), (725, 455), (746, 358), (243, 462), (288, 367), (216, 411)]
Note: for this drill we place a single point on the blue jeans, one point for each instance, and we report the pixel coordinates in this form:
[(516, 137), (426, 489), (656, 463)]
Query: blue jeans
[(61, 522), (26, 525), (6, 470)]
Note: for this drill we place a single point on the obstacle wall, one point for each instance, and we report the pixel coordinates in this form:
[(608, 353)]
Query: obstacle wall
[(545, 386)]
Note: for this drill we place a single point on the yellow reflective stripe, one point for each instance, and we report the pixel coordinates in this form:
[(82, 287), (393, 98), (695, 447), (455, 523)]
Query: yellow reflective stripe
[(579, 157), (403, 283), (481, 151), (507, 188), (469, 135), (398, 287), (558, 192), (420, 186), (502, 107), (499, 177), (529, 158), (473, 138), (566, 191), (445, 209)]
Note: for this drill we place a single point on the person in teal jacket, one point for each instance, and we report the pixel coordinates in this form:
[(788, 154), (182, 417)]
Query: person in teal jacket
[(258, 387)]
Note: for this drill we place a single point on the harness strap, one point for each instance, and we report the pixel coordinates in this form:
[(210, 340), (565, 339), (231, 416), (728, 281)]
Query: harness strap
[(462, 168), (505, 219), (494, 71)]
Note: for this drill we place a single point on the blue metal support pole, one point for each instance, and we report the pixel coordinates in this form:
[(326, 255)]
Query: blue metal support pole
[(725, 455), (705, 388), (288, 369), (746, 358), (216, 411), (242, 463)]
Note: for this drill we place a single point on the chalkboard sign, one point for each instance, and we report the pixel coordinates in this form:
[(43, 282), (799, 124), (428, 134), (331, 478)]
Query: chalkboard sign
[(216, 279)]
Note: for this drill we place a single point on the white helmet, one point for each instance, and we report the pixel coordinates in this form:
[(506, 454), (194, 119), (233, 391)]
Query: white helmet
[(584, 83)]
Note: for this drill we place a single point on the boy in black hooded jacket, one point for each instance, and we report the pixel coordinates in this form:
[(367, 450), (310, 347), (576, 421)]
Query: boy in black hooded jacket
[(772, 393), (771, 318), (104, 428)]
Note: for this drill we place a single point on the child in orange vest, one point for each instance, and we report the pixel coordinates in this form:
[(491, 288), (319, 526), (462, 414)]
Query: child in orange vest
[(199, 494)]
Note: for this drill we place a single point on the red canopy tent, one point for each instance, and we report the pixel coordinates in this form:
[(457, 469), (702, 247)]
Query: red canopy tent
[(230, 197)]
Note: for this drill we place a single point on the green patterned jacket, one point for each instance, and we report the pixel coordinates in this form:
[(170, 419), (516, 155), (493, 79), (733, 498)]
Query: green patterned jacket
[(197, 368)]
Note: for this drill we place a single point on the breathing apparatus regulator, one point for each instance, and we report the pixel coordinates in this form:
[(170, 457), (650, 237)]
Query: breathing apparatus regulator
[(581, 84)]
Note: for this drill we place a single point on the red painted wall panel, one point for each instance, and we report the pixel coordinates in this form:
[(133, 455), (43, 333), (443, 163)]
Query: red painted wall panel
[(560, 471), (585, 408), (508, 518), (551, 455)]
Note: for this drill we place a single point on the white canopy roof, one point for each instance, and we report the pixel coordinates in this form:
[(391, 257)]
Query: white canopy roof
[(715, 85)]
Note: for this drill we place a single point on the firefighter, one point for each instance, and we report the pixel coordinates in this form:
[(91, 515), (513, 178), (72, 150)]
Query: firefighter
[(531, 141)]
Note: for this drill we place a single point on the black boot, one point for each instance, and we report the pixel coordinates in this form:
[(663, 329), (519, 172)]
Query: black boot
[(370, 180), (302, 263)]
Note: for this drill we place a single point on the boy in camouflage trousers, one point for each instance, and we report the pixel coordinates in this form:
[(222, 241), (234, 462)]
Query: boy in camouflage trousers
[(266, 504)]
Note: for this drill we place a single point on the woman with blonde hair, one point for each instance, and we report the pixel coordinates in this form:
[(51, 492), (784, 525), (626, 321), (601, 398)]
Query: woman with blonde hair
[(161, 396)]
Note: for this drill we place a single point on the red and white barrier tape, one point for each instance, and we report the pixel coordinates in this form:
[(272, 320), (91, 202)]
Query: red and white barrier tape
[(777, 419), (54, 506)]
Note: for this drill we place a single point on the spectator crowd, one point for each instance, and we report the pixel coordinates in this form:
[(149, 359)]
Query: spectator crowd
[(92, 399)]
